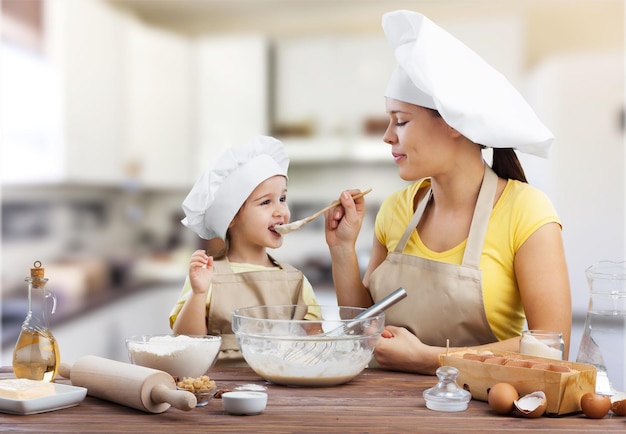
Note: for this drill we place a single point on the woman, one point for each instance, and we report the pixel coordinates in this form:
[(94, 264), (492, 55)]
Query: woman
[(478, 250)]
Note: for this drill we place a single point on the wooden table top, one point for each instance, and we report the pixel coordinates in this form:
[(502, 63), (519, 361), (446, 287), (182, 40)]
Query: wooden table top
[(376, 401)]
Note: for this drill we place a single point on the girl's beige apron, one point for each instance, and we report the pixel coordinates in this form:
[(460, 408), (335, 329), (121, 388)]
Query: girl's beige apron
[(254, 288), (444, 301)]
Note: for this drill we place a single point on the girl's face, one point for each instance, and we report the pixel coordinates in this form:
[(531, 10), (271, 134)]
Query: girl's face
[(265, 207), (419, 139)]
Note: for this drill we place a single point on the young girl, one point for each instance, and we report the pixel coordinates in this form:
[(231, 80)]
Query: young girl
[(238, 201)]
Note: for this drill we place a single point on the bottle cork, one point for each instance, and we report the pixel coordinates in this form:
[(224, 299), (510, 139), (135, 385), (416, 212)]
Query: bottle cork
[(37, 274)]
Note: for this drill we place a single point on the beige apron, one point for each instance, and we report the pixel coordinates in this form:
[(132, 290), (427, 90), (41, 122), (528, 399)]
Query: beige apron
[(444, 301), (254, 288)]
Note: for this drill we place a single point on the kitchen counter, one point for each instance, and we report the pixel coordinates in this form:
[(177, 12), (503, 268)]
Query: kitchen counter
[(376, 401)]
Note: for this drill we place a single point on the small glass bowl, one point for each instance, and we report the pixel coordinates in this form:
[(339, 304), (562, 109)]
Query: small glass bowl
[(203, 397)]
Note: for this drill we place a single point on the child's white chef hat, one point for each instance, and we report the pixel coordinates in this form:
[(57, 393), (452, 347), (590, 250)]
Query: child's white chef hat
[(437, 71), (222, 189)]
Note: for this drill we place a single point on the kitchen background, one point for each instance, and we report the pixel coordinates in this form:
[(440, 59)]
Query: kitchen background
[(112, 108)]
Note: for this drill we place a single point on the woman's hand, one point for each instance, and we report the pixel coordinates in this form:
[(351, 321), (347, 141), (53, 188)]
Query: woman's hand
[(400, 350), (343, 222), (200, 272)]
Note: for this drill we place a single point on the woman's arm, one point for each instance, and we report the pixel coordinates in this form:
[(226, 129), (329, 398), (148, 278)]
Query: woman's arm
[(343, 224), (400, 350), (543, 282)]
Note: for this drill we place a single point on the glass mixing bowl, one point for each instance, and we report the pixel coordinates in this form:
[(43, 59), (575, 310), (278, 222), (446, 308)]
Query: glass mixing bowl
[(328, 349)]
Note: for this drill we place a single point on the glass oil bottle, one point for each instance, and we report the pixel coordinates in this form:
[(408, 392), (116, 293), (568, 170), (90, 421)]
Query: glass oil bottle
[(36, 355)]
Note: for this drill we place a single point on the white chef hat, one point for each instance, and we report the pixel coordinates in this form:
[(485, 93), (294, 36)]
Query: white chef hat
[(437, 71), (222, 189)]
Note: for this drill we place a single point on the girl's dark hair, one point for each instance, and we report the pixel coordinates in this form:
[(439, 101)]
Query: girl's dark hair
[(506, 164), (221, 254), (215, 247)]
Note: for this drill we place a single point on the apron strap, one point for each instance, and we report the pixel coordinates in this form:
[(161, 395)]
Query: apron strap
[(221, 266), (421, 207), (480, 219)]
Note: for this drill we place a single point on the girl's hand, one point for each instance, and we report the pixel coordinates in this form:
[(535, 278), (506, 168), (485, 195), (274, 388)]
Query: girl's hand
[(200, 272), (343, 222), (400, 350)]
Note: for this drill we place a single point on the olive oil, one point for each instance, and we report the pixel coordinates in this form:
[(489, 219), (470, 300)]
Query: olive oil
[(36, 355)]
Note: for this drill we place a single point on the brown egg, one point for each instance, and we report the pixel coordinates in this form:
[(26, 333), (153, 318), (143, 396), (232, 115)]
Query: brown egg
[(517, 363), (618, 404), (542, 366), (477, 357), (595, 406), (495, 360), (531, 405), (560, 368), (501, 398)]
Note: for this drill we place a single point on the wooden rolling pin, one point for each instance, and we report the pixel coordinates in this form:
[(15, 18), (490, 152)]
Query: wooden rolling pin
[(134, 386)]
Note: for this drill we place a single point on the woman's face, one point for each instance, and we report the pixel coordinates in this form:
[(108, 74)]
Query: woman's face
[(265, 207), (420, 139)]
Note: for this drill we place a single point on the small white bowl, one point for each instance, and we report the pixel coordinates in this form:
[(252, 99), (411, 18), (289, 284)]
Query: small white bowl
[(244, 402)]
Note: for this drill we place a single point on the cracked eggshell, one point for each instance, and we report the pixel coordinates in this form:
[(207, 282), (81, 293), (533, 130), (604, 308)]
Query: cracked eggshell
[(531, 405), (618, 404)]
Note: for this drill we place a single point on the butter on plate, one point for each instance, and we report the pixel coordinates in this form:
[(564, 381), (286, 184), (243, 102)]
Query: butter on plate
[(24, 388)]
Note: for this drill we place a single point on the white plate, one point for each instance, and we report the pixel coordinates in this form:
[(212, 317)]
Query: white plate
[(65, 396)]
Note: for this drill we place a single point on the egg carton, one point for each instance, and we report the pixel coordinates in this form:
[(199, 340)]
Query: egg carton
[(563, 382)]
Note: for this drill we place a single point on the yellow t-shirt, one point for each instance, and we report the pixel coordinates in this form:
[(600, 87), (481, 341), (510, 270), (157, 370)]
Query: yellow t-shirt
[(237, 267), (519, 212)]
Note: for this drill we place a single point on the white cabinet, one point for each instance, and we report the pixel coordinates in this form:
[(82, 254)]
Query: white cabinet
[(62, 108), (231, 91), (158, 110), (335, 83), (110, 100), (85, 45), (331, 82)]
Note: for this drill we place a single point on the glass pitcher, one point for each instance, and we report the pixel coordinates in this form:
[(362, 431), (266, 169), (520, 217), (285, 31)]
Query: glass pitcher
[(36, 354), (603, 342)]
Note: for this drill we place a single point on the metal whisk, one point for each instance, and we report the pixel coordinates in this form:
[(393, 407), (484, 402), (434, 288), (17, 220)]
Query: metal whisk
[(322, 349)]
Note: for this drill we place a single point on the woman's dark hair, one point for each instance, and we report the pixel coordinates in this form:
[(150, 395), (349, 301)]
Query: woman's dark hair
[(506, 164)]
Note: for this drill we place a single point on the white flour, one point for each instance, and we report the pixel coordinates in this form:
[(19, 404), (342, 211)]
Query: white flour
[(346, 360), (180, 356)]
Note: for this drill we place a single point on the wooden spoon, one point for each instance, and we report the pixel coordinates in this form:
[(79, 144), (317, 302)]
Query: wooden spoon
[(294, 226)]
